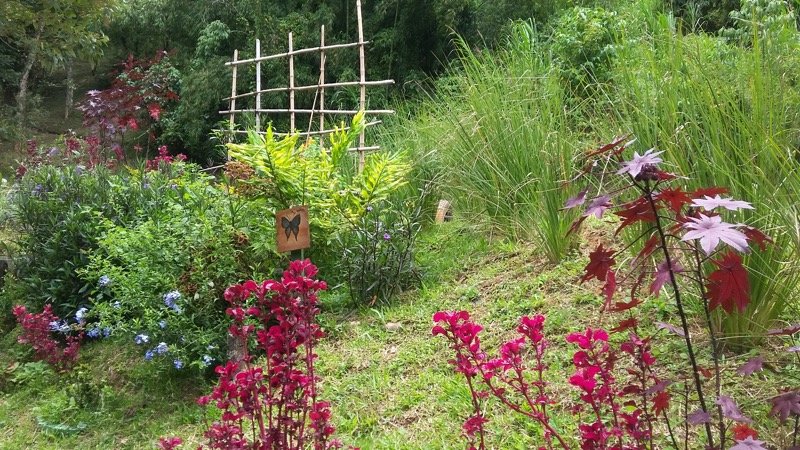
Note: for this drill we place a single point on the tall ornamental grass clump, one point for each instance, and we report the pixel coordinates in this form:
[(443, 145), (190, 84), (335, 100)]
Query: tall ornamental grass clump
[(726, 113), (500, 131)]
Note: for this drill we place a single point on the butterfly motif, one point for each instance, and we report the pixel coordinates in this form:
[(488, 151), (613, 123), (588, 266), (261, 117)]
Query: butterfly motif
[(291, 226)]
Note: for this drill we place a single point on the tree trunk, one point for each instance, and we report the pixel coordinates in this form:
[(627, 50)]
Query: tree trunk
[(22, 95), (70, 89)]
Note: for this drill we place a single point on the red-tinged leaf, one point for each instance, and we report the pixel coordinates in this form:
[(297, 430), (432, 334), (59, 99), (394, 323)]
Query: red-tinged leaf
[(729, 285), (577, 200), (730, 410), (661, 402), (788, 402), (664, 176), (637, 283), (648, 248), (706, 372), (638, 211), (622, 306), (754, 234), (672, 328), (788, 331), (743, 431), (607, 147), (600, 262), (658, 387), (575, 225), (752, 365), (598, 206), (710, 191), (697, 417), (662, 276), (626, 324), (609, 288), (675, 199), (748, 444)]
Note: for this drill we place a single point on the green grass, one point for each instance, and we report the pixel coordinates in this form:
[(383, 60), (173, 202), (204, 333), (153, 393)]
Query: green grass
[(391, 388)]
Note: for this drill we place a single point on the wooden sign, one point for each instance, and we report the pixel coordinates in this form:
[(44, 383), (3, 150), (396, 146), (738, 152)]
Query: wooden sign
[(292, 229)]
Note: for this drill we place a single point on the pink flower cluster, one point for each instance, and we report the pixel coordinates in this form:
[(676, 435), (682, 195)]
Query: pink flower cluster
[(273, 407), (39, 334), (163, 159), (621, 413)]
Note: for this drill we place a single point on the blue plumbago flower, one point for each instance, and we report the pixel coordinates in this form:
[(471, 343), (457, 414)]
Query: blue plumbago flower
[(78, 169), (116, 304), (61, 327), (169, 300), (174, 186), (141, 339), (178, 363), (79, 314), (163, 324), (207, 360), (53, 151), (161, 348), (211, 347), (369, 208), (148, 355), (104, 281), (106, 332), (146, 185), (94, 332)]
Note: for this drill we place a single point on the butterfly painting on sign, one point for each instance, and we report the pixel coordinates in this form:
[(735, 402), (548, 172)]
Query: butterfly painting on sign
[(292, 229)]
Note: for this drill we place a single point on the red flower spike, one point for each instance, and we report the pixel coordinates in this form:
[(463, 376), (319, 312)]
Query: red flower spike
[(600, 261), (729, 285)]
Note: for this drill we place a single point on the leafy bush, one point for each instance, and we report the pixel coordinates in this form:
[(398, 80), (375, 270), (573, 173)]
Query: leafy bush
[(60, 207), (583, 47), (378, 249), (142, 90), (324, 178)]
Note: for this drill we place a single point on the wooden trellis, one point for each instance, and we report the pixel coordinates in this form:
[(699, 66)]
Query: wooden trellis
[(318, 108)]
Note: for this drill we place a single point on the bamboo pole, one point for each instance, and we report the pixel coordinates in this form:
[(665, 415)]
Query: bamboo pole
[(311, 133), (346, 112), (291, 86), (313, 87), (258, 86), (321, 85), (363, 80), (295, 52), (232, 119)]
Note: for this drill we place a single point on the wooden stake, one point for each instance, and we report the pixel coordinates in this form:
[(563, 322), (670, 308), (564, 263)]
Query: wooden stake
[(363, 79), (291, 86), (232, 119), (321, 79), (258, 85)]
